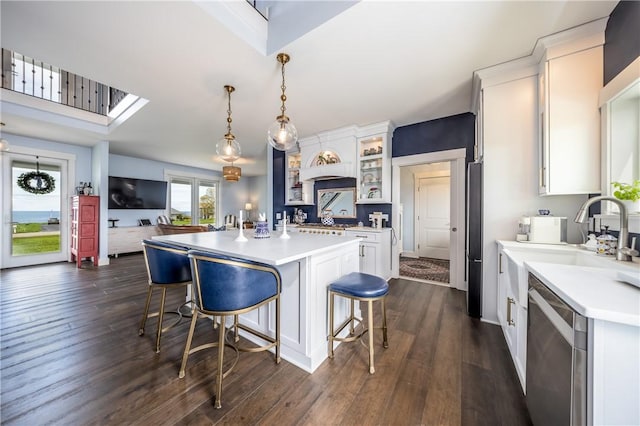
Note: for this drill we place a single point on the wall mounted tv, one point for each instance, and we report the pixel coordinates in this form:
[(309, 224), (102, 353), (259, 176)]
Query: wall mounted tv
[(129, 193)]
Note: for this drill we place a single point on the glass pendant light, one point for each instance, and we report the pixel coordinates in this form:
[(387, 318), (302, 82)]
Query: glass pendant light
[(228, 147), (282, 134)]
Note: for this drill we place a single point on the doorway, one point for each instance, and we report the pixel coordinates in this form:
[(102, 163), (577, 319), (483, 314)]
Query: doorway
[(451, 230), (426, 192), (34, 226)]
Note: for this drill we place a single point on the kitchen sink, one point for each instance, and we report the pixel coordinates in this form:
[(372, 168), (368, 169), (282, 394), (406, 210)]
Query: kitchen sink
[(569, 255)]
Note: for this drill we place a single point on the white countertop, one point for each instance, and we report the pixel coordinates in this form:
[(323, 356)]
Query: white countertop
[(592, 292), (272, 251), (584, 280)]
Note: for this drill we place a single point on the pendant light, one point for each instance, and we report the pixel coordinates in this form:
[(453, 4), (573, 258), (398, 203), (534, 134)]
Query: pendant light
[(228, 147), (282, 133), (231, 173)]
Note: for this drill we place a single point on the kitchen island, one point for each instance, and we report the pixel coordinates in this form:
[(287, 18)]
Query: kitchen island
[(307, 265)]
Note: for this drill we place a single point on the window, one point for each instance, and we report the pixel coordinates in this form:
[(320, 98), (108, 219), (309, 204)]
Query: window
[(193, 200)]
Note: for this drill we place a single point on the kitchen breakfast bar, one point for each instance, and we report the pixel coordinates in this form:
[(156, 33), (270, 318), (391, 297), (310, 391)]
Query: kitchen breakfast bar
[(307, 265)]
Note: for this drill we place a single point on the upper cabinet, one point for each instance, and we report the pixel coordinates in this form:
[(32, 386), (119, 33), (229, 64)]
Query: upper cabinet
[(297, 192), (374, 163), (569, 83)]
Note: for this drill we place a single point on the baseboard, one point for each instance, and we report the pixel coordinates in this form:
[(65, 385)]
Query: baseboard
[(411, 254)]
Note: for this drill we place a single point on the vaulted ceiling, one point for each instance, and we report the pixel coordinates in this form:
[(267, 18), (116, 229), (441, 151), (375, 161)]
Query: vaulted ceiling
[(377, 60)]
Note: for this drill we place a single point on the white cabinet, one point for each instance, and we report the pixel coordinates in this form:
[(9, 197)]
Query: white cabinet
[(569, 120), (512, 312), (128, 239), (374, 251), (374, 163), (297, 192)]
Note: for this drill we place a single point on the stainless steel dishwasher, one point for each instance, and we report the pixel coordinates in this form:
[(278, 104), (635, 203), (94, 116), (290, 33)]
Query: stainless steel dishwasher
[(556, 359)]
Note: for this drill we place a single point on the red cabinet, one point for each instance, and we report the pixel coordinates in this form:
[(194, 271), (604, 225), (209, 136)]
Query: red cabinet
[(85, 226)]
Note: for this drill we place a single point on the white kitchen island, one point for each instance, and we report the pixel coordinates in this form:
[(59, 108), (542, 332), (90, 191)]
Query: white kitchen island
[(307, 265)]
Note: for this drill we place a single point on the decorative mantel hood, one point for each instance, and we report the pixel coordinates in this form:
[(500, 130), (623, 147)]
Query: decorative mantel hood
[(327, 171), (330, 154)]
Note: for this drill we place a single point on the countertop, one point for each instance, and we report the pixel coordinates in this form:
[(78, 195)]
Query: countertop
[(272, 251), (593, 291)]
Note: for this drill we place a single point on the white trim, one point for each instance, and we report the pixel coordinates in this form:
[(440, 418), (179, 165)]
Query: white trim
[(195, 180), (458, 179), (620, 82), (67, 164)]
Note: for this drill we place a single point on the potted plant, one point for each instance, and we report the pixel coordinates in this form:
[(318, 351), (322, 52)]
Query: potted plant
[(629, 194)]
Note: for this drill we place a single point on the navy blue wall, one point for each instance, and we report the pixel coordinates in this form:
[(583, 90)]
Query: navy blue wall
[(622, 38), (457, 131)]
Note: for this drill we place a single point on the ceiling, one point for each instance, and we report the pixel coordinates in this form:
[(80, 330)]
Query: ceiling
[(406, 62)]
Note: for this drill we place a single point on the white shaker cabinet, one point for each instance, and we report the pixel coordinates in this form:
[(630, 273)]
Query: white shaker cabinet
[(512, 312), (569, 121), (374, 251)]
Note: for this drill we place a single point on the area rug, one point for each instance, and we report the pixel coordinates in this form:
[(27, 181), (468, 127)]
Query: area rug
[(425, 268)]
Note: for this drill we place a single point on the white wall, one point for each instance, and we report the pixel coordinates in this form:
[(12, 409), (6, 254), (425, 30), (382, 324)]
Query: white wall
[(250, 189), (83, 153), (510, 184), (138, 168)]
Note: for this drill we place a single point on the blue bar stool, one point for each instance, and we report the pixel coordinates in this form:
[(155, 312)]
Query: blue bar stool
[(226, 286), (366, 288), (167, 267)]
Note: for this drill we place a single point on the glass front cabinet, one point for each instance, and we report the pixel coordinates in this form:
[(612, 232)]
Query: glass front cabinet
[(374, 163), (297, 192)]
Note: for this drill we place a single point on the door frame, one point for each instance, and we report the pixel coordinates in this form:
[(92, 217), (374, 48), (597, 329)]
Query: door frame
[(457, 159), (67, 189)]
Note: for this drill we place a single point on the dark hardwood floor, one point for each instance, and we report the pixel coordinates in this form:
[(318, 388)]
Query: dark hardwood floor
[(71, 355)]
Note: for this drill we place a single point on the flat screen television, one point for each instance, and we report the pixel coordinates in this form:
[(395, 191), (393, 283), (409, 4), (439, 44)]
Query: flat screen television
[(129, 193)]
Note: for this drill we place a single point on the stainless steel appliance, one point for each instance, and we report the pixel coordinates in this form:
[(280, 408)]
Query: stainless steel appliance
[(320, 229), (556, 359), (474, 239)]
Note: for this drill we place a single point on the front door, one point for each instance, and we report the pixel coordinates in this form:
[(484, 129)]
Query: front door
[(34, 228)]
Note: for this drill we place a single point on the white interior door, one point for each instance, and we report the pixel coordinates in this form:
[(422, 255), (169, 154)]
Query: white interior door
[(432, 217)]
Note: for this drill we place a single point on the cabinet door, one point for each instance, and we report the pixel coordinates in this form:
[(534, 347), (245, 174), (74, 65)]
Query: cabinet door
[(368, 258), (506, 305), (572, 123), (374, 169)]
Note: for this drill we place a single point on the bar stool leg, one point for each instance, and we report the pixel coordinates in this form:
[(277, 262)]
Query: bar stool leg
[(370, 331), (187, 346), (353, 317), (143, 322), (220, 373), (160, 317), (385, 342), (331, 295)]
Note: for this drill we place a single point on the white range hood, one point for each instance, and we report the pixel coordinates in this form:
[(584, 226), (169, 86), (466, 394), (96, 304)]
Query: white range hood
[(329, 155), (327, 171)]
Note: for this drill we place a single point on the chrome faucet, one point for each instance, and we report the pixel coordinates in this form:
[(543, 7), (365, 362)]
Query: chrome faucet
[(623, 237)]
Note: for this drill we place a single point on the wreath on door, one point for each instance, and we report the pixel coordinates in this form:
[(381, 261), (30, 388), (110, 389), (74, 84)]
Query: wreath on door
[(37, 182)]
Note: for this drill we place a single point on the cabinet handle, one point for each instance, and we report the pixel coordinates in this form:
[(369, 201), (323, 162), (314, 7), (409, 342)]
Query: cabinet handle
[(510, 301), (361, 251), (361, 236), (500, 264)]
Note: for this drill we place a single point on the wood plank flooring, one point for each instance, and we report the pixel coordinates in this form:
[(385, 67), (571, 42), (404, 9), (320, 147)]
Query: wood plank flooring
[(71, 355)]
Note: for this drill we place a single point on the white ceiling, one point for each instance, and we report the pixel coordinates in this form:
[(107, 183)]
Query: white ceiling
[(406, 62)]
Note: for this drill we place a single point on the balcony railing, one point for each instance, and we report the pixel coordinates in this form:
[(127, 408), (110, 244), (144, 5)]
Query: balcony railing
[(31, 77)]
